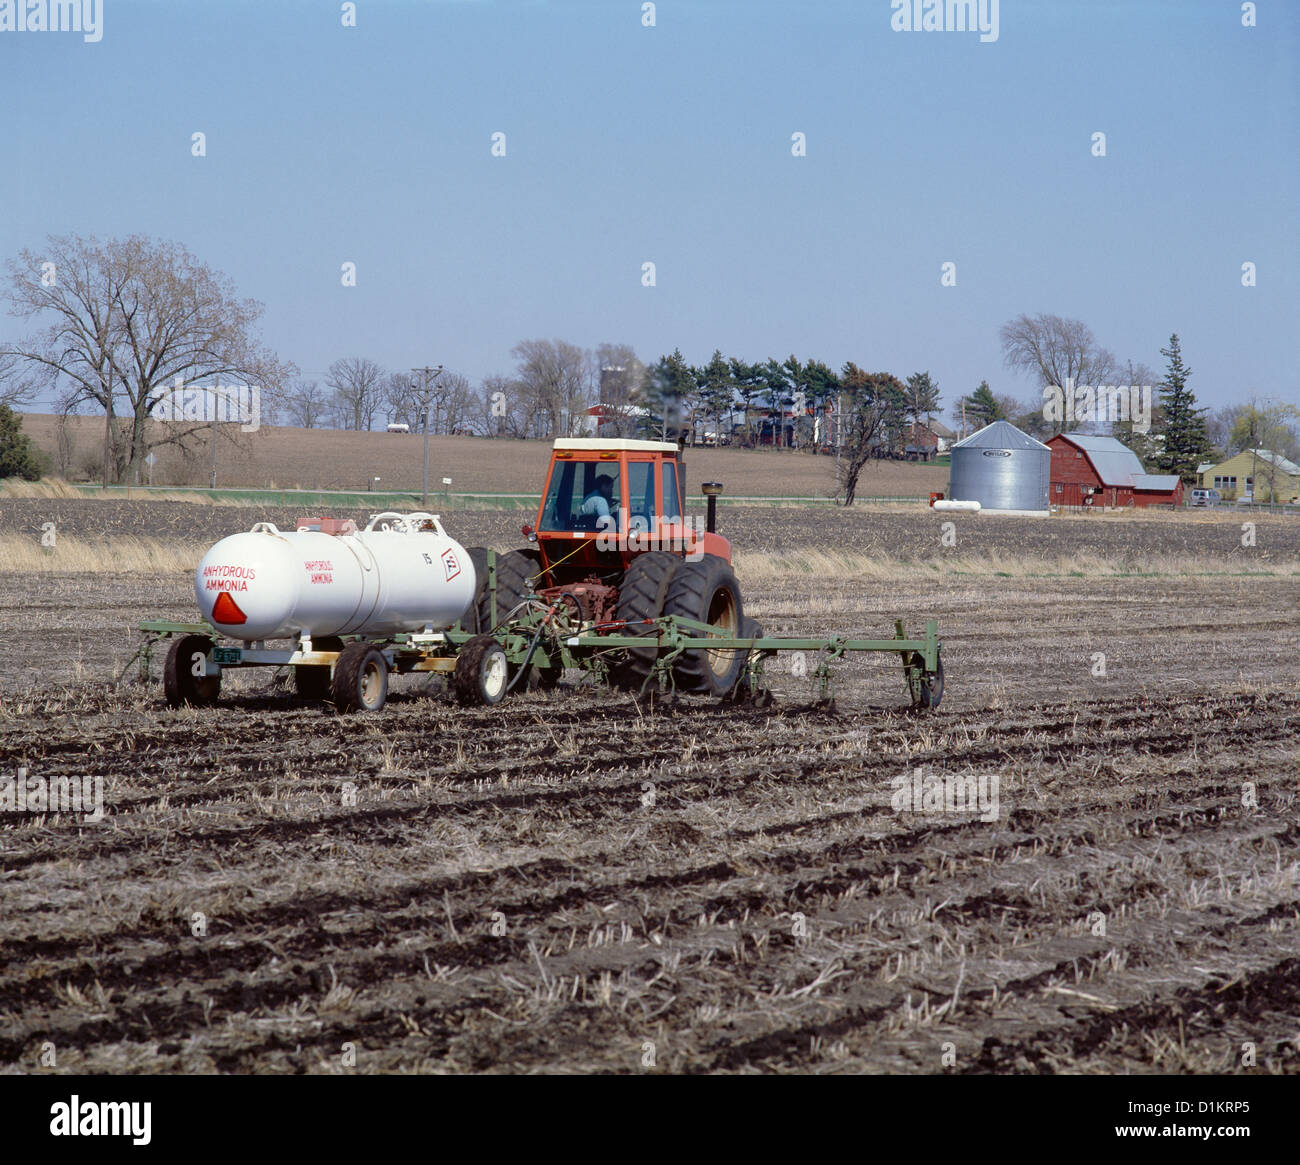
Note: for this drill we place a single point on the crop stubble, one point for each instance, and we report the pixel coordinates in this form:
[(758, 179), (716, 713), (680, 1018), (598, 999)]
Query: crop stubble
[(629, 924)]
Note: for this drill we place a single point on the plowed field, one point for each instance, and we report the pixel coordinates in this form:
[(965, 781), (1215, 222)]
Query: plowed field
[(574, 882)]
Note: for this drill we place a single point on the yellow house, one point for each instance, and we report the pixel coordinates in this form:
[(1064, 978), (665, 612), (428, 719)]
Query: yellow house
[(1255, 473)]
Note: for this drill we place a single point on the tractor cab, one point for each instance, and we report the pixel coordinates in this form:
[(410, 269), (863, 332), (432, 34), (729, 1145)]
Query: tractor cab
[(607, 501)]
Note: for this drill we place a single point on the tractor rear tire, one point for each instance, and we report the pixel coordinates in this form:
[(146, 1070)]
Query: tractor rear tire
[(469, 620), (360, 681), (482, 674), (513, 572), (312, 682), (641, 595), (707, 591), (180, 684)]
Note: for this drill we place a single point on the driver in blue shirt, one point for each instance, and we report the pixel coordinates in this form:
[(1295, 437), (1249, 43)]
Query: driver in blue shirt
[(597, 502)]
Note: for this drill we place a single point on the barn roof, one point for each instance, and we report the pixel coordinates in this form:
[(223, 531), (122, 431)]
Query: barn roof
[(999, 435), (1166, 482), (1115, 462)]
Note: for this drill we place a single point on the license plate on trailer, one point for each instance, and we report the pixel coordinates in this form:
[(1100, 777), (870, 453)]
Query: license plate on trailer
[(226, 655)]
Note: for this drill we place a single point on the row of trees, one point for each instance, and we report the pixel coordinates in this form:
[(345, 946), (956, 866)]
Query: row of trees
[(117, 324)]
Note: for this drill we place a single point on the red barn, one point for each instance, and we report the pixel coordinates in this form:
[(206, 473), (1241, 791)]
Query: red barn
[(1101, 471)]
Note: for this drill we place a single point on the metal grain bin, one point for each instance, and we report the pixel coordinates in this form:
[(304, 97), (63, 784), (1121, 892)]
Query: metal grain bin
[(1001, 468)]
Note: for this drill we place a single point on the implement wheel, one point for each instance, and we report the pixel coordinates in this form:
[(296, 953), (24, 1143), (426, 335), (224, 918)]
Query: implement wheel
[(313, 682), (482, 673), (708, 592), (641, 595), (931, 691), (183, 678), (360, 681)]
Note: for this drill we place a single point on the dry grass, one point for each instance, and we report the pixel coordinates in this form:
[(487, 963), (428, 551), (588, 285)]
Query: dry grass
[(847, 565), (131, 554), (127, 555), (55, 487)]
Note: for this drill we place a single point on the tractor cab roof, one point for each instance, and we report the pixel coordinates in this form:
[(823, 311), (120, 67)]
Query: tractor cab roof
[(613, 445)]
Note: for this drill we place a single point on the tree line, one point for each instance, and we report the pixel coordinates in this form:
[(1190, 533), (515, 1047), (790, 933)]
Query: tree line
[(117, 324)]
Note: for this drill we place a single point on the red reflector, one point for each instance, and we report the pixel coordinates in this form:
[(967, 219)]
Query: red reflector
[(226, 610)]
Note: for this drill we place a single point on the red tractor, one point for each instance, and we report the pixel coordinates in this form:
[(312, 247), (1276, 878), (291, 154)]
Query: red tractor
[(612, 541)]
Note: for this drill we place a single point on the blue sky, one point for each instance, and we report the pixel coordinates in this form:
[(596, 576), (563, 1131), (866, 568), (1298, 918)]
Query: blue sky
[(672, 145)]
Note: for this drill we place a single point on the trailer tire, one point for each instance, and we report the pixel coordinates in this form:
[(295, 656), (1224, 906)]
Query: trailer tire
[(707, 591), (312, 682), (360, 682), (482, 674), (180, 685), (641, 595)]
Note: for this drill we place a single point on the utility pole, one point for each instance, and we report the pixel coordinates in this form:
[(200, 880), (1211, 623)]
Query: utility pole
[(429, 377), (108, 425)]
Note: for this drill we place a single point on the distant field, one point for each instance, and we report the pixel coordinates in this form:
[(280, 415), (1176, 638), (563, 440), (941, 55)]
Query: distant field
[(283, 458)]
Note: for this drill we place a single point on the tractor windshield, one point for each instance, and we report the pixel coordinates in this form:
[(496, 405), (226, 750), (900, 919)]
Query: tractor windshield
[(580, 494)]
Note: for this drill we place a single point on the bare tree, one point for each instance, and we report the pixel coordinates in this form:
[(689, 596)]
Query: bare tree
[(1061, 352), (401, 400), (459, 402), (357, 385), (873, 407), (126, 321), (555, 383), (19, 381), (501, 408), (306, 404)]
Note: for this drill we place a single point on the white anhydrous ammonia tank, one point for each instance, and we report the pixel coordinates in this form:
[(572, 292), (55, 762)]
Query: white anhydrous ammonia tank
[(402, 573)]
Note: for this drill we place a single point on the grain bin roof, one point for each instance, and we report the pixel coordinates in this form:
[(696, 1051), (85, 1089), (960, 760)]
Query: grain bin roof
[(1000, 435), (1115, 462)]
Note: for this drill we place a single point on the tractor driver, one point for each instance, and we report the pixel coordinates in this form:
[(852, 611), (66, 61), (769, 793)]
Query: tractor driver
[(597, 502)]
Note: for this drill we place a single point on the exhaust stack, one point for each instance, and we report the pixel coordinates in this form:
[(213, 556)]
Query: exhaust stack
[(711, 490)]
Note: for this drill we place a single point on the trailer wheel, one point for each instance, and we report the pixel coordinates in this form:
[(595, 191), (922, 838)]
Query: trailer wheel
[(932, 684), (482, 673), (641, 595), (180, 684), (313, 682), (707, 591), (360, 681)]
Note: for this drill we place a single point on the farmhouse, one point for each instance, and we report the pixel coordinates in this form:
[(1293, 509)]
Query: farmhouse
[(924, 440), (1258, 474), (1102, 471)]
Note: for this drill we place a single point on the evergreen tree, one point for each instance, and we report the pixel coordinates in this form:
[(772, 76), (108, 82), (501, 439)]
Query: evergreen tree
[(1186, 442), (980, 408), (922, 396), (18, 457), (717, 389), (668, 389)]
